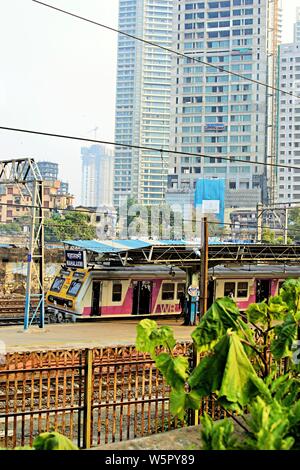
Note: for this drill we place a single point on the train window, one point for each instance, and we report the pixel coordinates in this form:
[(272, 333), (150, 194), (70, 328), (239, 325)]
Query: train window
[(74, 288), (242, 289), (117, 291), (168, 291), (229, 289), (180, 289), (57, 284)]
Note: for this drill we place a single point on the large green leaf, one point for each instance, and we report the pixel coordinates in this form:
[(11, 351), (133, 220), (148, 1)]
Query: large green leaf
[(270, 426), (220, 317), (290, 294), (264, 312), (149, 336), (217, 435), (257, 313), (227, 372), (277, 308), (175, 370), (286, 334), (180, 401)]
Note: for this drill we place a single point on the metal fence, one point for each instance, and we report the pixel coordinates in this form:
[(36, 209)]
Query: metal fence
[(92, 396)]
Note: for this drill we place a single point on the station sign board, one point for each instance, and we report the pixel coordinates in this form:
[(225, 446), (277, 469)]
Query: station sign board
[(193, 291), (75, 259)]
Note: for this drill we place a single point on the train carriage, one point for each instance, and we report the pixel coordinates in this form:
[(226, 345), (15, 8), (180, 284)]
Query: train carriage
[(115, 292)]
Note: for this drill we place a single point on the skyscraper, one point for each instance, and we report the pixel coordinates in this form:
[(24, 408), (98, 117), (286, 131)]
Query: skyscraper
[(143, 100), (289, 120), (218, 114), (97, 176), (297, 26)]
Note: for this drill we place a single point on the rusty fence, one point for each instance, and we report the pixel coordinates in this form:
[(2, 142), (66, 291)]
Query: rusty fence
[(92, 396)]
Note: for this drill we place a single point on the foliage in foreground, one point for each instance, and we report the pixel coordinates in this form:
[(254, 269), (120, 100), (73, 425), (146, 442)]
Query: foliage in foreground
[(240, 369), (49, 441)]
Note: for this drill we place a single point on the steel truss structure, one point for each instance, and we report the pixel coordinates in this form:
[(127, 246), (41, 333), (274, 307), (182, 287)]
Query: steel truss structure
[(188, 256), (24, 173)]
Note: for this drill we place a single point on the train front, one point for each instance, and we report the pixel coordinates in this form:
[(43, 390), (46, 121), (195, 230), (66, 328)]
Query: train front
[(62, 297)]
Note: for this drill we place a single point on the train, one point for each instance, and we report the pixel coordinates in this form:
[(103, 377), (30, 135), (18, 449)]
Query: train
[(122, 292)]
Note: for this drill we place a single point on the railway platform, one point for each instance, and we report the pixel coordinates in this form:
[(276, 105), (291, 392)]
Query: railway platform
[(83, 335)]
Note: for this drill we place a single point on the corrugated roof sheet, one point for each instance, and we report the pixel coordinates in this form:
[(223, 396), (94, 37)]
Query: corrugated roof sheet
[(119, 246)]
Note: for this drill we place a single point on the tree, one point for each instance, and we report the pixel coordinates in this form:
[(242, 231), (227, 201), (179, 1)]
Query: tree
[(74, 225), (269, 237), (294, 224), (242, 370)]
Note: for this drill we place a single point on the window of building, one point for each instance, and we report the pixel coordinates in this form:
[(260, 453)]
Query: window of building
[(242, 289), (168, 291), (117, 291)]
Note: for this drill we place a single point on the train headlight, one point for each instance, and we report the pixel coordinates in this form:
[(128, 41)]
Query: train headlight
[(50, 298), (70, 303)]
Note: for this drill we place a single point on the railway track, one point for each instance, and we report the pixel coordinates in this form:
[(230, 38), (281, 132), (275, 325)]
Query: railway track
[(12, 311)]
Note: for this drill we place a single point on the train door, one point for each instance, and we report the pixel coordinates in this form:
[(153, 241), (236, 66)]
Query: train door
[(141, 297), (263, 289), (211, 294), (96, 297)]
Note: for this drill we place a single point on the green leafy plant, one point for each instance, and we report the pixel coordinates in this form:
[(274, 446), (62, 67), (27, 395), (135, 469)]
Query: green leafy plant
[(49, 441), (240, 369)]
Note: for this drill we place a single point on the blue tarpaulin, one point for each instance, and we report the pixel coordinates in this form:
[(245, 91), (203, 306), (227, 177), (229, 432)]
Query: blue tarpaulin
[(210, 194)]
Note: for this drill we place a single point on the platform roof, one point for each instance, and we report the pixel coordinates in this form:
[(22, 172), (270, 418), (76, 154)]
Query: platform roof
[(184, 254)]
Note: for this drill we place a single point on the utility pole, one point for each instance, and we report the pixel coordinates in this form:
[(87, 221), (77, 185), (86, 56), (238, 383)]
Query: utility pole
[(203, 268), (259, 222), (286, 219)]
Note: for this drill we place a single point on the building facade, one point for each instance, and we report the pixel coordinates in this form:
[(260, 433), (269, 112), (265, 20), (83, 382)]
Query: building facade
[(297, 26), (218, 114), (49, 172), (14, 207), (289, 123), (143, 101), (97, 176)]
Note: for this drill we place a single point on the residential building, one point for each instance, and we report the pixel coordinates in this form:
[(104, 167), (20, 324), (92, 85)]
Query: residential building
[(218, 114), (289, 121), (13, 206), (104, 218), (49, 172), (97, 176), (297, 26), (143, 100)]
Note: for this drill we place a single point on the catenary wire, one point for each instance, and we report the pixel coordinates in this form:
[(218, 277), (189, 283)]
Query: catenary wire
[(152, 149), (164, 48)]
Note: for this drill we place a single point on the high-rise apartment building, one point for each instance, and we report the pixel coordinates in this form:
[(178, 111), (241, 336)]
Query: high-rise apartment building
[(143, 100), (289, 122), (97, 176), (297, 26), (49, 172), (218, 114)]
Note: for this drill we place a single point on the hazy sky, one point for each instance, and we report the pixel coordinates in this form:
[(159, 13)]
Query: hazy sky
[(58, 75)]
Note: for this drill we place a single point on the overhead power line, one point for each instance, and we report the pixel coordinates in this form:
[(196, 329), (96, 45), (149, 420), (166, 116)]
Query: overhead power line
[(151, 149), (233, 225), (166, 49)]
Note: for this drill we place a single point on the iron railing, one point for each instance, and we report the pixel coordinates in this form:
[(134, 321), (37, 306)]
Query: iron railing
[(92, 396)]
